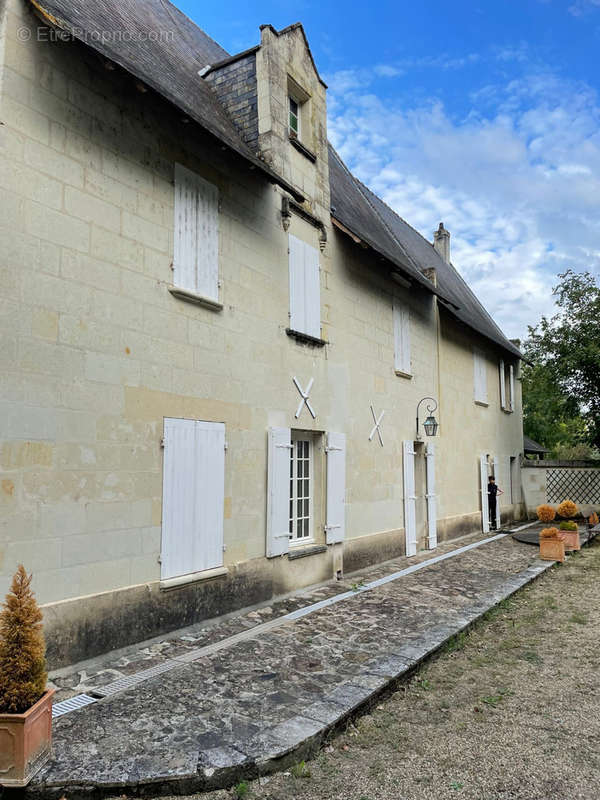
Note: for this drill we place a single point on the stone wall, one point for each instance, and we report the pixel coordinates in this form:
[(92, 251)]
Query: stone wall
[(578, 481), (235, 86), (96, 352)]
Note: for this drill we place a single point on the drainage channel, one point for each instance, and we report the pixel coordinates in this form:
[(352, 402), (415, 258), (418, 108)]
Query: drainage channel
[(81, 700)]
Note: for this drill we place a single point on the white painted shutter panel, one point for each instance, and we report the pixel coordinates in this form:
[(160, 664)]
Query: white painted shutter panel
[(336, 488), (410, 515), (312, 288), (401, 316), (305, 288), (431, 497), (483, 474), (496, 476), (480, 377), (297, 298), (502, 386), (193, 496), (278, 492), (196, 242), (511, 404)]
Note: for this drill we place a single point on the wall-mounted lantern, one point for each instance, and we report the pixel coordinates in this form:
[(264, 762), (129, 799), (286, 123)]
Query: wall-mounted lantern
[(431, 424)]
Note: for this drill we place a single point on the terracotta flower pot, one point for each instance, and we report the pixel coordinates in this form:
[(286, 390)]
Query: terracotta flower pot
[(25, 742), (552, 550), (571, 540)]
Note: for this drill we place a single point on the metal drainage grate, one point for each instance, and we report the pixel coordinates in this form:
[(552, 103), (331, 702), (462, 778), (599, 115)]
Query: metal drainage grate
[(72, 704), (133, 680)]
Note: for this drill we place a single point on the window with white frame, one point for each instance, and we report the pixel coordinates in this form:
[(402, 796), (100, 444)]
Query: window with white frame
[(301, 490), (305, 288), (479, 378), (401, 316), (294, 116), (196, 235)]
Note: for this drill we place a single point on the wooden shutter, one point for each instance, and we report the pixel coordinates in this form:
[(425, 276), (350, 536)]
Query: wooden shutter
[(496, 476), (479, 377), (196, 241), (431, 497), (335, 527), (401, 316), (483, 476), (410, 515), (305, 288), (511, 400), (278, 492), (502, 386), (193, 496)]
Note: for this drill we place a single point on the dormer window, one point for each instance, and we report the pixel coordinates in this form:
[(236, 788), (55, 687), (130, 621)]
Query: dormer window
[(294, 116)]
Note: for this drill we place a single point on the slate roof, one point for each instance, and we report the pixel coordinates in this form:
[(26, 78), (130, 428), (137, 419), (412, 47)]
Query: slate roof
[(170, 65), (137, 36)]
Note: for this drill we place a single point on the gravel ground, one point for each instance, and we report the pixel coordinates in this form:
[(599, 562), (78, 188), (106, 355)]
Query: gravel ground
[(510, 711)]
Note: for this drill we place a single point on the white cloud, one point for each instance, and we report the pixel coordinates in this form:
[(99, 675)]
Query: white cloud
[(516, 181), (580, 7)]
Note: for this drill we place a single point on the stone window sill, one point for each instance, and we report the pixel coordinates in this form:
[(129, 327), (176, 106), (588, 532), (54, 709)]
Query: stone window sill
[(401, 374), (303, 149), (305, 338), (198, 299), (482, 403), (192, 577), (302, 552)]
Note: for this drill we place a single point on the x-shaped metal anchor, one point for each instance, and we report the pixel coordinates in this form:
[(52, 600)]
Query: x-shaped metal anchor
[(305, 400), (376, 427)]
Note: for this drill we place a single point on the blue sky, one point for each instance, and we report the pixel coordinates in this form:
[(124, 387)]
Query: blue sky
[(485, 116)]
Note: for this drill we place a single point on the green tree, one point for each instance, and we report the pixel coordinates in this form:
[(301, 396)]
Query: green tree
[(561, 396)]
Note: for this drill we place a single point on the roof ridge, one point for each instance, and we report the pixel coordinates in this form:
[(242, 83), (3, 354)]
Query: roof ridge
[(167, 5)]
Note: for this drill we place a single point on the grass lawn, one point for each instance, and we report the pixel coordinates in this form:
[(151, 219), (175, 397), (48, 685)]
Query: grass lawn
[(509, 710)]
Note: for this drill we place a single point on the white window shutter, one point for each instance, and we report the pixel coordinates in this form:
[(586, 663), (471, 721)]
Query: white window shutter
[(496, 476), (278, 492), (305, 288), (511, 400), (335, 527), (297, 297), (401, 316), (431, 497), (312, 289), (479, 377), (193, 496), (483, 475), (502, 386), (196, 239), (410, 516)]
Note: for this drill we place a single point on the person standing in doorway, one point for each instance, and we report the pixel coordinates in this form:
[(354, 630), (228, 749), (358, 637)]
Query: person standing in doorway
[(493, 491)]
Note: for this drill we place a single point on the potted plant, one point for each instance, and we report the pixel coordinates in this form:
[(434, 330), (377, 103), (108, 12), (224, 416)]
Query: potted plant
[(545, 513), (552, 548), (567, 509), (571, 534), (593, 520), (25, 702)]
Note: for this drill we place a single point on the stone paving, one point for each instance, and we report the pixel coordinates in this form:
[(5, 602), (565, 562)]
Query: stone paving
[(268, 699)]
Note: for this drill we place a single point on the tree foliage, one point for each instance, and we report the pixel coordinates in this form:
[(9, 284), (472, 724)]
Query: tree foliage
[(561, 395), (22, 663)]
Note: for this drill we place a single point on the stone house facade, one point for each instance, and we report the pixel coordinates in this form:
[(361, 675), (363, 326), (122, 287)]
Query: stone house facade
[(214, 337)]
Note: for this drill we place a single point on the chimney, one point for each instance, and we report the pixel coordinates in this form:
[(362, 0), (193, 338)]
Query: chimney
[(441, 242)]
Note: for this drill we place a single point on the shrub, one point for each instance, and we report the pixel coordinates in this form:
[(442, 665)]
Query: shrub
[(549, 533), (593, 520), (545, 513), (567, 509), (568, 525), (22, 663)]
